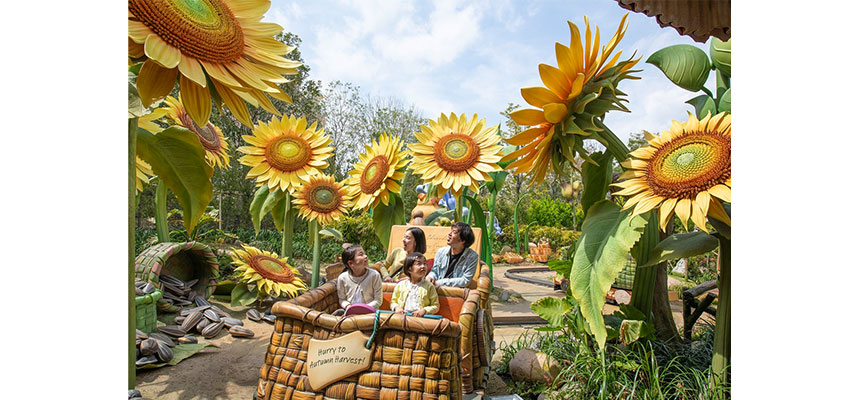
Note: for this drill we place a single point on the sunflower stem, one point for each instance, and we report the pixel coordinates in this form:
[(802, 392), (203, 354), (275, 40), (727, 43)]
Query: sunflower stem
[(491, 230), (458, 207), (722, 331), (315, 228), (287, 234), (161, 212), (132, 175), (613, 143), (516, 222)]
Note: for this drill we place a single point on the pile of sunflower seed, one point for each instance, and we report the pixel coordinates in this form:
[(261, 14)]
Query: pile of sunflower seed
[(153, 348), (176, 291), (206, 319), (142, 288)]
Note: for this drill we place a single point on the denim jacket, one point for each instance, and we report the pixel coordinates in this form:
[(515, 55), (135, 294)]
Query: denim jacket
[(464, 270)]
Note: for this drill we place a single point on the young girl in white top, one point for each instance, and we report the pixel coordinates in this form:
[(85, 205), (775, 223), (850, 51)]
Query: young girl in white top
[(358, 284)]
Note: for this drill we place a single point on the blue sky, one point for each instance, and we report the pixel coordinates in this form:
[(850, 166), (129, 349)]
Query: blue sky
[(474, 57)]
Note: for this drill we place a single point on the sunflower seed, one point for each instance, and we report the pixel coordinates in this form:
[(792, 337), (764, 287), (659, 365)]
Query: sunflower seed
[(170, 296), (270, 319), (139, 334), (238, 331), (148, 288), (138, 292), (220, 311), (191, 282), (204, 322), (253, 315), (133, 393), (172, 290), (212, 315), (200, 301), (231, 322), (191, 321), (165, 278), (138, 282), (213, 329), (191, 295), (146, 360), (178, 319), (187, 339), (137, 351), (163, 339), (186, 311), (148, 346), (164, 353), (268, 312), (172, 330)]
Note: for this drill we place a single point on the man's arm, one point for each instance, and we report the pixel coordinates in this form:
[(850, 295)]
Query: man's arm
[(435, 270), (470, 260)]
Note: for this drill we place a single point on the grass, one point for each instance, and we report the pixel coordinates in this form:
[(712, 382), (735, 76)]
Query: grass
[(652, 370)]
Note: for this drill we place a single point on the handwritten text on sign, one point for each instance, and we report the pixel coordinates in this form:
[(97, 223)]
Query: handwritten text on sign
[(332, 360)]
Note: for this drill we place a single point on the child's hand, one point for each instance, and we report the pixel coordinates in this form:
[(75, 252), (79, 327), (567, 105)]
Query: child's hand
[(388, 279), (420, 313), (399, 310)]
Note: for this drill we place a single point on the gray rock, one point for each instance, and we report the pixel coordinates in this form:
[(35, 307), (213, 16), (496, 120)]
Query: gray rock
[(505, 295)]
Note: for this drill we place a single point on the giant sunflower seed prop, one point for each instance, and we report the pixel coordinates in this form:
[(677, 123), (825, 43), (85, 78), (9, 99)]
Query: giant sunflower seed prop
[(578, 93), (221, 42)]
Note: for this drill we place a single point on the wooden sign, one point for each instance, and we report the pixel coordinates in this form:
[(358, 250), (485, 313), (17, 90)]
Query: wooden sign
[(437, 237), (334, 359)]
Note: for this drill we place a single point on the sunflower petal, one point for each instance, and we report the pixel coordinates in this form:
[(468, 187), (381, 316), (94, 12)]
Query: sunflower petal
[(528, 116), (154, 82), (539, 96), (195, 100), (721, 192), (683, 209)]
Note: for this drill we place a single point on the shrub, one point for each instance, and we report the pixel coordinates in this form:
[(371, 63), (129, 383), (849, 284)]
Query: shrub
[(558, 237), (548, 212)]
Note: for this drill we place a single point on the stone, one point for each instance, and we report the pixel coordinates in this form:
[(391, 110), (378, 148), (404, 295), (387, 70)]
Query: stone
[(622, 297), (534, 366), (505, 295)]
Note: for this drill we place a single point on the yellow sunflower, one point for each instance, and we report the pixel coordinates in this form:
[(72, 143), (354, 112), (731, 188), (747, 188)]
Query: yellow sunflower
[(456, 153), (143, 173), (221, 42), (684, 171), (272, 275), (285, 153), (322, 199), (582, 88), (210, 136), (377, 172)]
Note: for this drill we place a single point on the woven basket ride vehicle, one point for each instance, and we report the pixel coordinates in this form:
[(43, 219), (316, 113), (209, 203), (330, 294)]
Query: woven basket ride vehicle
[(412, 357)]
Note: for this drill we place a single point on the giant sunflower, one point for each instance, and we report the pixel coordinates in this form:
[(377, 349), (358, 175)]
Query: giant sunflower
[(142, 173), (455, 153), (285, 153), (377, 172), (685, 171), (272, 275), (322, 199), (221, 42), (581, 89), (209, 135)]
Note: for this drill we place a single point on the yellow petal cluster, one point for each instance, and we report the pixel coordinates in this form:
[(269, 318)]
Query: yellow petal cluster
[(683, 171), (378, 171), (454, 152), (285, 153), (142, 173), (211, 47), (209, 135), (272, 275), (322, 199)]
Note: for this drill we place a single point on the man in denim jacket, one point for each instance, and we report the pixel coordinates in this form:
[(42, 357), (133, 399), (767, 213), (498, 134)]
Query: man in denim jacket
[(455, 264)]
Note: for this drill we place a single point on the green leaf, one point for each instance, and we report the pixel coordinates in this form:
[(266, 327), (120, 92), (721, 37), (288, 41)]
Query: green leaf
[(176, 157), (561, 267), (224, 287), (384, 217), (439, 213), (628, 311), (721, 55), (596, 180), (685, 65), (257, 207), (505, 151), (725, 102), (331, 232), (135, 106), (241, 296), (703, 104), (601, 252), (180, 352), (551, 309), (630, 331), (277, 205), (682, 245), (481, 222)]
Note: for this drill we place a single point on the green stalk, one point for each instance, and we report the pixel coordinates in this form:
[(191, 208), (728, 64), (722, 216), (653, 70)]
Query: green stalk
[(315, 279), (132, 174), (458, 207), (287, 234), (161, 212), (723, 329), (516, 222), (491, 230), (618, 149), (643, 281)]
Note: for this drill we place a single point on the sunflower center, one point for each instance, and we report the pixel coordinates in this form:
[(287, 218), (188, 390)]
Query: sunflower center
[(288, 153), (271, 268), (323, 198), (374, 174), (690, 164), (203, 29), (207, 135), (456, 152)]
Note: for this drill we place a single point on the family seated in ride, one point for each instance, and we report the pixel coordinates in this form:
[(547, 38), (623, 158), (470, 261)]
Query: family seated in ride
[(358, 285), (455, 264), (391, 269), (415, 295)]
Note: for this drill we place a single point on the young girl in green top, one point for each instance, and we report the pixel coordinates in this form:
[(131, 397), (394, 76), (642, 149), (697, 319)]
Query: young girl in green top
[(415, 295)]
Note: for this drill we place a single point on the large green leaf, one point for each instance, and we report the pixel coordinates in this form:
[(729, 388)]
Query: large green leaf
[(481, 222), (331, 232), (562, 267), (552, 309), (703, 104), (257, 206), (630, 330), (682, 245), (242, 296), (439, 213), (276, 203), (384, 217), (135, 106), (596, 180), (721, 55), (601, 252), (725, 101), (177, 158), (180, 352), (685, 65)]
